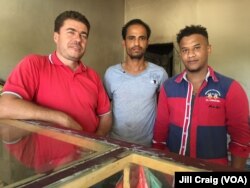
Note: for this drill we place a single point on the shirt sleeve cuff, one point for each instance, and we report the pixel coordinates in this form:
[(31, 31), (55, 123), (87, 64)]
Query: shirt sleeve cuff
[(239, 150)]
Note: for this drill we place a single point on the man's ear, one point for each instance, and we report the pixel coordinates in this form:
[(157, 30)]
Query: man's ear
[(123, 43), (209, 49), (55, 37), (147, 44)]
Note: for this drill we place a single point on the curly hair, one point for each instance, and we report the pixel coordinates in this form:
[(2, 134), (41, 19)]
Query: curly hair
[(190, 30)]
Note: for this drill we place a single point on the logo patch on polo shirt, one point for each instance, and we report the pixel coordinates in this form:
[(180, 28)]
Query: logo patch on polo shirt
[(213, 95)]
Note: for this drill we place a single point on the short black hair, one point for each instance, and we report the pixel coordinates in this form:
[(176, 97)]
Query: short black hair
[(135, 22), (74, 15), (190, 30)]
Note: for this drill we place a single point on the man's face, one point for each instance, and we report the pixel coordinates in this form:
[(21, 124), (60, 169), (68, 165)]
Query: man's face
[(71, 40), (136, 41), (194, 51)]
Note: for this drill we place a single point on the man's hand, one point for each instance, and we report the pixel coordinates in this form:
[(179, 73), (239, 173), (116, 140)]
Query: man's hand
[(70, 123)]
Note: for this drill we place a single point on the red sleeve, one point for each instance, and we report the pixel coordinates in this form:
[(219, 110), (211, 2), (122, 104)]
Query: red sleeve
[(23, 79), (237, 114), (161, 122), (103, 102)]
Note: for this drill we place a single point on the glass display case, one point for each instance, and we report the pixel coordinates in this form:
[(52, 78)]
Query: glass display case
[(50, 156)]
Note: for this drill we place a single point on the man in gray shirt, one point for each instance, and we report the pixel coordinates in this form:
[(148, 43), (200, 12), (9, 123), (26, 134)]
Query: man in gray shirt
[(133, 87)]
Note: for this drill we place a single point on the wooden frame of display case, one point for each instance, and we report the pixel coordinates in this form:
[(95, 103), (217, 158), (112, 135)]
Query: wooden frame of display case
[(164, 166), (111, 157)]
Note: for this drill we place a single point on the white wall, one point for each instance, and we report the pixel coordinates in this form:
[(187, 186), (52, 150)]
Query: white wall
[(27, 27), (228, 24)]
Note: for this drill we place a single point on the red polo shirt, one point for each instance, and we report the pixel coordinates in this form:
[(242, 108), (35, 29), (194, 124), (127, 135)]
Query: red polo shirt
[(46, 81)]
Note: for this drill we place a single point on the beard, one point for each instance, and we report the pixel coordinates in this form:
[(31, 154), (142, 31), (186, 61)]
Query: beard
[(138, 55), (196, 69)]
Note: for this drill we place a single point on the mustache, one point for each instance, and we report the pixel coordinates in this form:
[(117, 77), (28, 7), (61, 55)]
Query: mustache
[(75, 44), (136, 47)]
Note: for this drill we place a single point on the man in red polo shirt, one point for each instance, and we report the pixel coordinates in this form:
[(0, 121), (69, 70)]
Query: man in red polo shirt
[(57, 88)]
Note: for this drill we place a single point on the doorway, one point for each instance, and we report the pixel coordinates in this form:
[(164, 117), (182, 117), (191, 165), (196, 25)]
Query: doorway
[(162, 55)]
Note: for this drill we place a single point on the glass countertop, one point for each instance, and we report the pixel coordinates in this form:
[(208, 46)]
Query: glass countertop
[(44, 150)]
